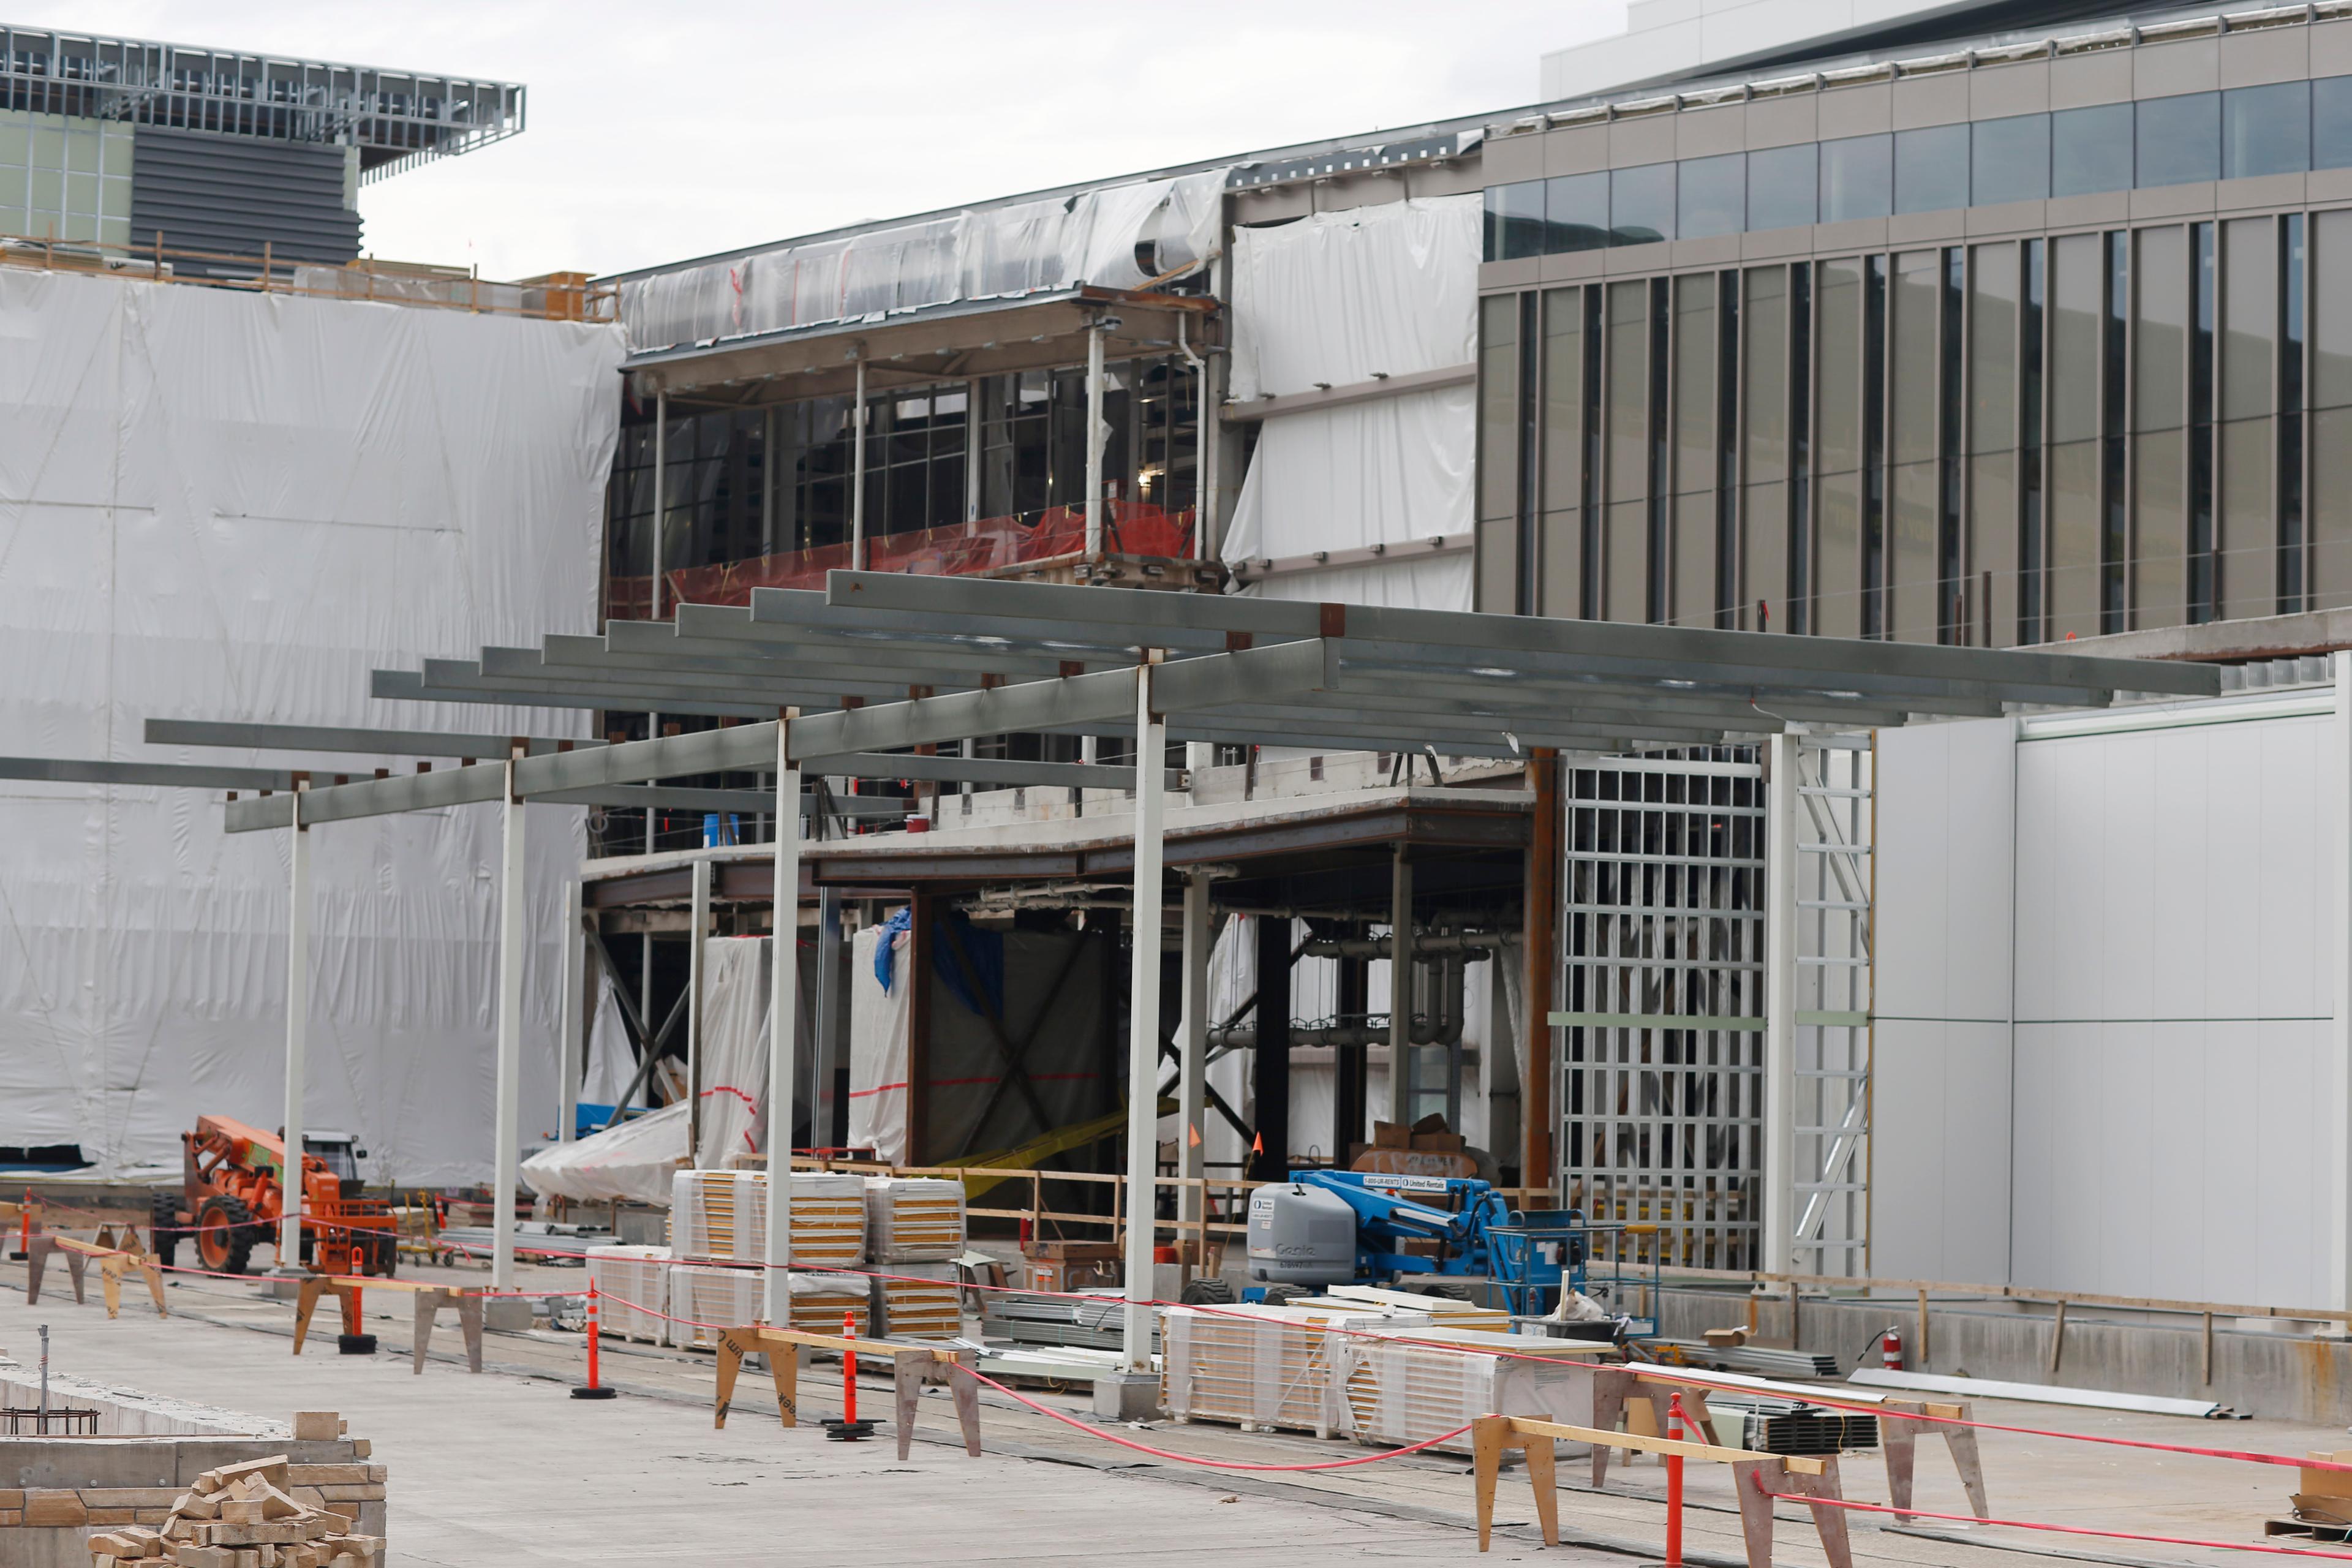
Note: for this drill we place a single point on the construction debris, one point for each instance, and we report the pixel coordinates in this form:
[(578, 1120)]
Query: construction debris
[(254, 1515)]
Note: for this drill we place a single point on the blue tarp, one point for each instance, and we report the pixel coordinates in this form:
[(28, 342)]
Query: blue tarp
[(985, 949)]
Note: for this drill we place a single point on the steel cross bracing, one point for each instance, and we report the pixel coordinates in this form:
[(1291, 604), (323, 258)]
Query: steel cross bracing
[(1835, 845)]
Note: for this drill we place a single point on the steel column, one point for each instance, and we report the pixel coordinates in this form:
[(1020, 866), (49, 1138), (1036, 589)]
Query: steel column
[(858, 473), (570, 1044), (823, 1108), (661, 503), (697, 925), (512, 898), (2339, 1055), (1539, 918), (1778, 1177), (1143, 1023), (784, 1009), (1095, 443), (1193, 1043), (298, 1029), (1270, 1058)]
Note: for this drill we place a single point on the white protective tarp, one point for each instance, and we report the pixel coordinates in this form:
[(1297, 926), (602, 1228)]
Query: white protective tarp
[(877, 1048), (733, 1047), (1107, 237), (1340, 298), (223, 505), (633, 1163)]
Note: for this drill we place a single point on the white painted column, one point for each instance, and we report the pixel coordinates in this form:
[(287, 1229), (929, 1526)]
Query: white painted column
[(297, 1032), (1193, 1043), (570, 1044), (698, 927), (858, 473), (1094, 443), (1143, 1026), (1402, 972), (784, 1009), (2339, 1055), (1779, 1167), (512, 898)]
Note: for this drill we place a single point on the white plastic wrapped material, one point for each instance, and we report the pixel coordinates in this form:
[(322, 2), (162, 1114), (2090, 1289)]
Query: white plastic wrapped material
[(877, 1051), (633, 1163), (1340, 298), (1399, 1392), (709, 1299), (733, 1046), (1097, 236), (633, 1290), (723, 1215), (913, 1219), (917, 1301), (218, 504), (1262, 1367)]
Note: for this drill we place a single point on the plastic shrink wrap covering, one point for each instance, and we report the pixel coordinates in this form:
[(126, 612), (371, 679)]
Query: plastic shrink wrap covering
[(913, 1219), (917, 1301), (633, 1290), (1262, 1367), (710, 1299), (636, 1161), (723, 1215)]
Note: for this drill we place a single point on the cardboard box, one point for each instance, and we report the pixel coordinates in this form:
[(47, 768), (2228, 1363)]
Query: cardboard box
[(1438, 1143), (1392, 1135), (2327, 1483)]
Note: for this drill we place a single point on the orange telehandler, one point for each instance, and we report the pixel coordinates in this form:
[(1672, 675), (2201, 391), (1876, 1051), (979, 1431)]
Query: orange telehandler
[(230, 1199)]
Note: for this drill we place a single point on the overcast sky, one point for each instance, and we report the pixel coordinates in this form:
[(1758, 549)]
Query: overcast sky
[(661, 132)]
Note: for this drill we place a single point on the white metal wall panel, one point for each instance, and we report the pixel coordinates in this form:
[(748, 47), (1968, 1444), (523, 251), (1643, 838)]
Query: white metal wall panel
[(1941, 1102), (2171, 1012)]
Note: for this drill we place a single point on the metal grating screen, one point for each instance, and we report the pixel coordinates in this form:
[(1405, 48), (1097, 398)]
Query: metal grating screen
[(1662, 932)]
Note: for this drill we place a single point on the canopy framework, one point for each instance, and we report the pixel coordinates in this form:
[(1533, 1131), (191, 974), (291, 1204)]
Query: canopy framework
[(878, 662)]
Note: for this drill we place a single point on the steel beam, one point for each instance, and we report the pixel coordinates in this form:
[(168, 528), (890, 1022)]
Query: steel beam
[(341, 738), (167, 775)]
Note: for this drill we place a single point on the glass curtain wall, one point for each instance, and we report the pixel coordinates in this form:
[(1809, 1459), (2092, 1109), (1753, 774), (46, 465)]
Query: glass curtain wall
[(1992, 444)]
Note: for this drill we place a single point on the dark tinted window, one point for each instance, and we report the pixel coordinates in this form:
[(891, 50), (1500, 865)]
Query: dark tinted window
[(2266, 130), (2011, 160), (2331, 123), (1711, 196), (1642, 203), (2179, 139), (1858, 178), (2091, 150), (1931, 169), (1576, 213), (1515, 220), (1783, 186)]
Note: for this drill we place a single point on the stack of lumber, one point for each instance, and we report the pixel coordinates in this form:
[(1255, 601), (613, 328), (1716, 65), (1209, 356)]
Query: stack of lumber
[(1262, 1367), (707, 1299), (632, 1285), (917, 1301), (913, 1219), (245, 1516), (1414, 1383), (721, 1217)]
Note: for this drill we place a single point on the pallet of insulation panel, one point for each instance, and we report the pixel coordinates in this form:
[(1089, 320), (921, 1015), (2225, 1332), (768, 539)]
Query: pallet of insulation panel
[(721, 1217), (917, 1301), (913, 1219), (708, 1298), (1261, 1368), (1405, 1386), (633, 1290), (1446, 1312)]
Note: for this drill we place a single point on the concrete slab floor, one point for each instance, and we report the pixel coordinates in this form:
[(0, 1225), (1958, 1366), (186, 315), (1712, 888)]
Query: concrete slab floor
[(506, 1467)]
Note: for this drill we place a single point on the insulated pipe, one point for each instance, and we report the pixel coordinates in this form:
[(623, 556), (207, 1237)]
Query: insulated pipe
[(784, 1009), (857, 474), (570, 1053), (1143, 1028), (1094, 441), (1401, 988), (512, 898), (1193, 1043), (1481, 943), (698, 922), (297, 1029)]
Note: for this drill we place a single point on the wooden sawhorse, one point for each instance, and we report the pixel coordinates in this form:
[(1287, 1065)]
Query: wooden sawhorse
[(430, 1300), (912, 1368), (114, 1263)]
